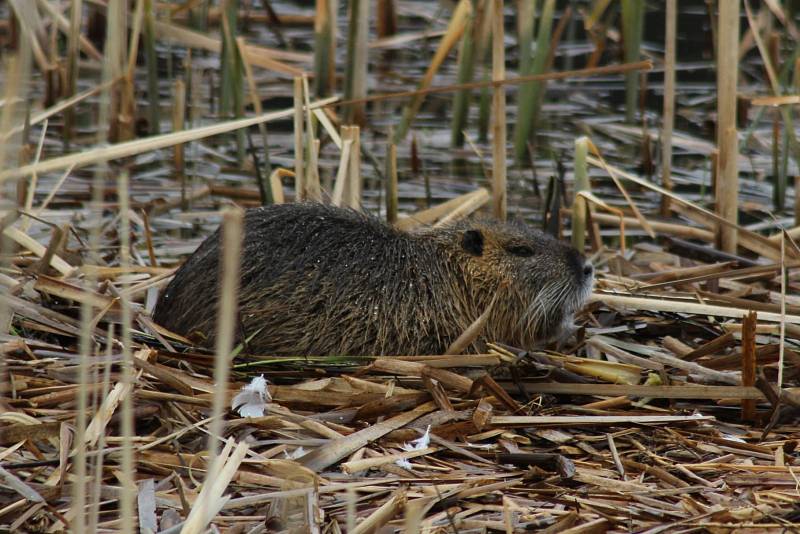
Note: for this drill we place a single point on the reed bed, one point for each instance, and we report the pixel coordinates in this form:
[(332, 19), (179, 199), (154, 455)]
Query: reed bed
[(672, 408)]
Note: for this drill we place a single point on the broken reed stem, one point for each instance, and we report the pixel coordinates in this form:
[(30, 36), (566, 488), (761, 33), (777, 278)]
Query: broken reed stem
[(669, 101), (391, 178), (355, 78), (581, 181), (727, 187), (313, 188), (498, 113), (232, 220), (299, 173), (339, 184), (352, 192), (325, 47), (749, 324), (128, 482)]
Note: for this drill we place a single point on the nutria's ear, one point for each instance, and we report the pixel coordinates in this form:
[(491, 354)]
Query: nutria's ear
[(472, 242)]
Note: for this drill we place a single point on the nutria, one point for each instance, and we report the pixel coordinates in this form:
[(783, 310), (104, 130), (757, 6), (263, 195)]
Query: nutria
[(321, 280)]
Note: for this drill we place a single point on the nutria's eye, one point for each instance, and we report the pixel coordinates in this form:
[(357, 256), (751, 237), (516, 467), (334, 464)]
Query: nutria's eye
[(523, 251)]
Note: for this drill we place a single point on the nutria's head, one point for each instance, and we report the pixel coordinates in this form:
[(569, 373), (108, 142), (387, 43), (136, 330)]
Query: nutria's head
[(540, 282)]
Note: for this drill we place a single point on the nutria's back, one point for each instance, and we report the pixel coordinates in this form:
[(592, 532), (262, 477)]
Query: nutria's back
[(323, 280)]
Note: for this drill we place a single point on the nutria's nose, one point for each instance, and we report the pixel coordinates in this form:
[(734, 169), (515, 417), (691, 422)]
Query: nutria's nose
[(588, 270)]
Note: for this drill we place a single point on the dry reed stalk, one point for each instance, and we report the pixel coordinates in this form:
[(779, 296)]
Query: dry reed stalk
[(58, 108), (220, 473), (680, 230), (325, 47), (642, 220), (30, 23), (581, 180), (352, 189), (385, 513), (128, 481), (455, 29), (668, 117), (472, 332), (664, 305), (498, 112), (86, 350), (354, 466), (334, 450), (138, 146), (64, 25), (463, 210), (313, 189), (266, 58), (429, 216), (755, 242), (94, 513), (344, 166), (355, 77), (277, 185), (299, 164), (390, 172), (326, 123), (727, 189), (232, 221)]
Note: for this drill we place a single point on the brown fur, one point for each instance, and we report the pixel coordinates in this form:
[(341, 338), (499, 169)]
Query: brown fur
[(319, 280)]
